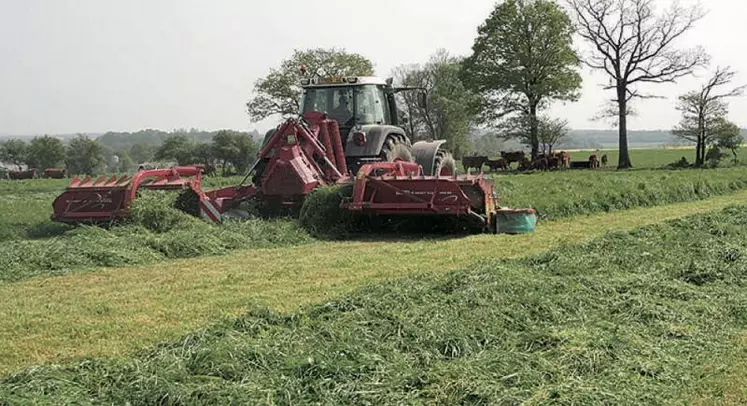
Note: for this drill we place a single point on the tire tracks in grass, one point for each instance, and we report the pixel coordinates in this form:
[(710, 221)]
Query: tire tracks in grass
[(115, 311)]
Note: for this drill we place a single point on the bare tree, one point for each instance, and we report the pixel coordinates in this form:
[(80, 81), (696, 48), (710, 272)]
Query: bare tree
[(704, 112), (635, 46)]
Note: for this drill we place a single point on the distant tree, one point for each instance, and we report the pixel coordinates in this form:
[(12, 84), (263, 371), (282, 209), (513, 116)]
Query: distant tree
[(14, 152), (177, 147), (202, 153), (279, 92), (142, 152), (523, 59), (238, 149), (704, 112), (550, 131), (45, 152), (450, 108), (85, 156), (730, 137), (633, 46), (125, 163), (225, 148), (410, 114)]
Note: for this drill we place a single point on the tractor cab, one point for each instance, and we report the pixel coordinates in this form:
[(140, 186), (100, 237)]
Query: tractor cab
[(351, 101)]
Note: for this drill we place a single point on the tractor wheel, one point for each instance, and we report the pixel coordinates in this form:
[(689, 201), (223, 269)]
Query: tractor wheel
[(444, 165), (396, 147)]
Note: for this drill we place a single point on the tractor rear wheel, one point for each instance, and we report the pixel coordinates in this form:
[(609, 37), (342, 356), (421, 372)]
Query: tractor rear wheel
[(444, 164)]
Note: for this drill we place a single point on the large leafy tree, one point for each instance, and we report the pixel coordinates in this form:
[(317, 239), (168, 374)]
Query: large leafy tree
[(278, 93), (14, 152), (85, 156), (633, 46), (704, 112), (522, 60), (45, 152)]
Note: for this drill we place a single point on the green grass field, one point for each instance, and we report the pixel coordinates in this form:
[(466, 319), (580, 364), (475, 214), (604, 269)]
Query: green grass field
[(651, 316), (588, 309)]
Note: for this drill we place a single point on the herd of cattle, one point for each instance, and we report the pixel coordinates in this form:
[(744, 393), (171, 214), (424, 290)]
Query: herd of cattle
[(557, 160), (52, 173)]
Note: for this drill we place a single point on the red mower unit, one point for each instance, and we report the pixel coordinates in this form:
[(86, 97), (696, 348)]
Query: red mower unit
[(348, 133)]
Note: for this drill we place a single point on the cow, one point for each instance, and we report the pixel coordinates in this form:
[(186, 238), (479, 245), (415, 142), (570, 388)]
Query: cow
[(495, 164), (564, 159), (604, 161), (27, 174), (513, 156), (540, 163), (54, 173), (525, 164), (553, 162), (593, 161), (474, 161)]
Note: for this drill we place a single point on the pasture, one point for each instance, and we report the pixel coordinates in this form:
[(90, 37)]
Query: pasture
[(114, 294)]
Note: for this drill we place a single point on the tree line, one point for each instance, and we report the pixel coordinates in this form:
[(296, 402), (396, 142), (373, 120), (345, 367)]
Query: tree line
[(230, 151), (523, 59)]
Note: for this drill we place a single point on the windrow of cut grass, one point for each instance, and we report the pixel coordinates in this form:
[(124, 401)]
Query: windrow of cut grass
[(651, 316), (157, 232), (576, 192)]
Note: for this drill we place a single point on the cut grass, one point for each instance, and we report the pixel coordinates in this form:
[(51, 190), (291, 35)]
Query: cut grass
[(115, 311), (646, 317), (158, 232)]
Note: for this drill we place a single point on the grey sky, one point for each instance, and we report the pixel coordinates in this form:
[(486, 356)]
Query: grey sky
[(98, 65)]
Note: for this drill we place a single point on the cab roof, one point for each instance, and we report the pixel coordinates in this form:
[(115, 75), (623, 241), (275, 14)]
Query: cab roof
[(343, 81)]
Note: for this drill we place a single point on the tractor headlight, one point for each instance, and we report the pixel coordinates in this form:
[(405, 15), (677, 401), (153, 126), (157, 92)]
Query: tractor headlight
[(359, 138)]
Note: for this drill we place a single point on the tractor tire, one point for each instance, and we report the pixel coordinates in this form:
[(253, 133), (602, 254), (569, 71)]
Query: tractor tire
[(445, 165), (396, 147)]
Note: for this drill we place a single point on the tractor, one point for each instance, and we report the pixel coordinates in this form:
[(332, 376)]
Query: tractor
[(367, 115), (347, 133)]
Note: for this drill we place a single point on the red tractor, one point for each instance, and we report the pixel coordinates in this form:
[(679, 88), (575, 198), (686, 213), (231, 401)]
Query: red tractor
[(347, 133)]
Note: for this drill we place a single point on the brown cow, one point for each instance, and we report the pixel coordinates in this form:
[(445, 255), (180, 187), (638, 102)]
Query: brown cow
[(593, 161), (495, 164), (565, 159), (28, 174), (604, 161), (473, 161), (55, 173)]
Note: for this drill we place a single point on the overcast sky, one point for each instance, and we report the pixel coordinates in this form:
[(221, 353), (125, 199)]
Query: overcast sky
[(99, 65)]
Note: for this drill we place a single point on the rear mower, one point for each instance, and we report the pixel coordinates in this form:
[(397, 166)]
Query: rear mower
[(347, 134)]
